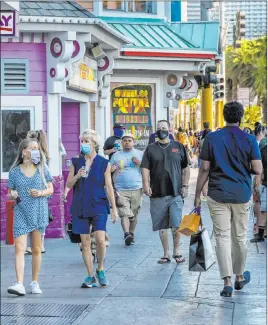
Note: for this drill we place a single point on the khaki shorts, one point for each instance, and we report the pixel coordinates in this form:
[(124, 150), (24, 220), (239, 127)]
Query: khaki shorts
[(131, 201)]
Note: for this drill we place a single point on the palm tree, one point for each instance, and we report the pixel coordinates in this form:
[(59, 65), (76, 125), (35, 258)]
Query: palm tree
[(247, 67)]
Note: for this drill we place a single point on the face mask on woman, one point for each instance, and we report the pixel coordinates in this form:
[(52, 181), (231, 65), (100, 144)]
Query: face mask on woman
[(35, 156), (86, 148)]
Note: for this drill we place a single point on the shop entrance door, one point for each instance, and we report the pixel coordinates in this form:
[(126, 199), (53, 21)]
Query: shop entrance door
[(70, 126)]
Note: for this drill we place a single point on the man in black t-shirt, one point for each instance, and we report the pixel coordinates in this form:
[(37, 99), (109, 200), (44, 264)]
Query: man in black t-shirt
[(113, 143), (166, 173)]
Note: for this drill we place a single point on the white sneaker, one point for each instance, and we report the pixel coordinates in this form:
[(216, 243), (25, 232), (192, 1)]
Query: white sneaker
[(35, 287), (17, 289)]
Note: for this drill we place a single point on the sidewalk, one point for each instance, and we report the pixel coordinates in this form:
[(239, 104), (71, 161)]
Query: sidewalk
[(140, 292)]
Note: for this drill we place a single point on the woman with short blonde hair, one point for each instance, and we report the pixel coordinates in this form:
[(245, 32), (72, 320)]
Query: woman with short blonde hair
[(90, 176)]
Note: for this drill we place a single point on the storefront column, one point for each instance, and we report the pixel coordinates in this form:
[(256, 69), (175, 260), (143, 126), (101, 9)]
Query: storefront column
[(207, 107), (100, 121), (56, 227), (85, 117)]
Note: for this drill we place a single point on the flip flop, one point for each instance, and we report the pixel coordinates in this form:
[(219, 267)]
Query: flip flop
[(180, 257), (27, 252), (164, 260), (227, 291), (240, 284)]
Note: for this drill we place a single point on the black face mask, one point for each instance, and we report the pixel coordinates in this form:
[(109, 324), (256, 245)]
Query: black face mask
[(162, 134)]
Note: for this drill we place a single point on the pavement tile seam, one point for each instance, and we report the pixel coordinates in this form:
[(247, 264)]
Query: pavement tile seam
[(161, 296)]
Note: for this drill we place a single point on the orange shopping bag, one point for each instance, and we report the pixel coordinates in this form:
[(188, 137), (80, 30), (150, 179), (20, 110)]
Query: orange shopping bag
[(190, 223)]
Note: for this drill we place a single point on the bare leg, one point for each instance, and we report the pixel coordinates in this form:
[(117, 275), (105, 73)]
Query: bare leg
[(164, 240), (176, 242), (87, 254), (101, 248), (125, 224), (36, 254), (20, 247)]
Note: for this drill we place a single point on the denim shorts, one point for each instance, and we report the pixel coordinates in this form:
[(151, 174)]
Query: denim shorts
[(82, 225), (166, 212)]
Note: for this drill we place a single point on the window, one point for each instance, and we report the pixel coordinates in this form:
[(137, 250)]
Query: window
[(15, 122), (14, 76), (131, 6)]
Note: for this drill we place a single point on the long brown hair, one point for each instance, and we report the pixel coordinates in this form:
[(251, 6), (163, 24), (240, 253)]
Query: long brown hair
[(19, 159), (40, 135)]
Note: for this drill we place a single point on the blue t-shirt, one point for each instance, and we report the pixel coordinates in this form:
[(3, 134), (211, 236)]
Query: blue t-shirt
[(230, 152), (153, 138), (127, 175)]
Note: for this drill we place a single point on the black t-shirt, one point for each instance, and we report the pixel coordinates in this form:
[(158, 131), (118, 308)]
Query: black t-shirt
[(264, 164), (165, 167), (110, 143)]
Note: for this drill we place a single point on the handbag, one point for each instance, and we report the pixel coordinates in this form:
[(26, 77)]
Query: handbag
[(190, 223), (74, 238), (201, 256)]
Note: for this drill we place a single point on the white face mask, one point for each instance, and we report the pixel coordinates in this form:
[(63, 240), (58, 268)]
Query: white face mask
[(35, 156)]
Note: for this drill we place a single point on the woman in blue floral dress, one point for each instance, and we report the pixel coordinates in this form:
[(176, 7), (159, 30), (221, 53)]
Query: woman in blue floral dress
[(30, 184)]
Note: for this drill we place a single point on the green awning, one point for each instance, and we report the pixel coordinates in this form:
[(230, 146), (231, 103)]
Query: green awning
[(151, 34)]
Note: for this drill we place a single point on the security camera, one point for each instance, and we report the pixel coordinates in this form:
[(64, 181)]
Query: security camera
[(202, 68)]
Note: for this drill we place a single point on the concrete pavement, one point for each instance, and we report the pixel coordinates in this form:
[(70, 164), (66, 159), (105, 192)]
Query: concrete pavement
[(140, 292)]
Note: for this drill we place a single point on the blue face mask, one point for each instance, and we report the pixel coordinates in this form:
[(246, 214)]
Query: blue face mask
[(86, 148), (118, 132)]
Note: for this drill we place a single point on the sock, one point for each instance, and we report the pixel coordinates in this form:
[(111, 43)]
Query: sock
[(261, 231)]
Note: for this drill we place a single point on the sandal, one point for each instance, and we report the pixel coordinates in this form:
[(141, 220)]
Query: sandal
[(240, 284), (28, 252), (164, 260), (227, 291), (180, 257)]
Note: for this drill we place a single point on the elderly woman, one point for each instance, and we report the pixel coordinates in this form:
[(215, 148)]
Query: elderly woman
[(90, 177)]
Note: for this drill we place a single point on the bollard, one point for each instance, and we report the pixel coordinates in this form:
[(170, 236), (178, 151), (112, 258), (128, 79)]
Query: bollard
[(10, 221)]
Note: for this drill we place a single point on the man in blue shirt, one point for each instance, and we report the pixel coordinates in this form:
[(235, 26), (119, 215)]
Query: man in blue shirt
[(228, 158), (127, 180)]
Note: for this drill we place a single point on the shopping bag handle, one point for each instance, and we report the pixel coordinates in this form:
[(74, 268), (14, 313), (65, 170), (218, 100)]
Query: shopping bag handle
[(198, 211)]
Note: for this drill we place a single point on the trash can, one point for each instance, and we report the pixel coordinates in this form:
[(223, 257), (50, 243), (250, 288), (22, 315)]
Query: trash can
[(10, 221)]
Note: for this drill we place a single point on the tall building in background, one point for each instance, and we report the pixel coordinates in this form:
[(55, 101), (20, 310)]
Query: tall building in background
[(193, 10), (210, 10), (256, 17)]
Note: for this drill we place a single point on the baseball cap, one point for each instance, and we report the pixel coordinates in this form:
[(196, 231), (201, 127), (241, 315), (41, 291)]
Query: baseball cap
[(128, 135), (119, 126)]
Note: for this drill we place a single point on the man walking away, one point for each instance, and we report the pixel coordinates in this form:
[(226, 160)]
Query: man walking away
[(166, 173), (113, 143), (127, 180), (228, 158)]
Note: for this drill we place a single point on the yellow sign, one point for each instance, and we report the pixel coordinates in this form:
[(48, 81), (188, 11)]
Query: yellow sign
[(85, 76)]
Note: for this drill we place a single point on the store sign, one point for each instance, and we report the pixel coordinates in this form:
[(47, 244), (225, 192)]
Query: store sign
[(8, 23), (85, 76), (132, 106)]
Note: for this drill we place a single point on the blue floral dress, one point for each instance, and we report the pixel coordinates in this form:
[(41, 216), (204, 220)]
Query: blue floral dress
[(31, 213)]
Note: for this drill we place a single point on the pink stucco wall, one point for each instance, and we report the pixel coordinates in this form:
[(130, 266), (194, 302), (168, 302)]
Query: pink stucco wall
[(36, 54)]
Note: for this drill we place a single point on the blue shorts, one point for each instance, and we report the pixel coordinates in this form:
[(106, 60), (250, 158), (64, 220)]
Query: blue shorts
[(81, 226)]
